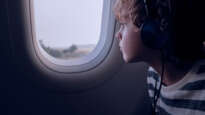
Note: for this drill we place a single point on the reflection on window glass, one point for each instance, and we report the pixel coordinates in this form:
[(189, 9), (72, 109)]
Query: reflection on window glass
[(68, 29)]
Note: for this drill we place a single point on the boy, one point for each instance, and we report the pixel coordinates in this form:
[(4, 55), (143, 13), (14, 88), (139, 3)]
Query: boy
[(176, 77)]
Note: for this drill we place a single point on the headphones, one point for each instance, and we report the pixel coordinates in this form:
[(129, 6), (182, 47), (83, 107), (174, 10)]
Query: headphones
[(155, 34), (152, 33)]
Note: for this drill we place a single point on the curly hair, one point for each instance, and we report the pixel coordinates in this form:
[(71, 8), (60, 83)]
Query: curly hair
[(135, 8)]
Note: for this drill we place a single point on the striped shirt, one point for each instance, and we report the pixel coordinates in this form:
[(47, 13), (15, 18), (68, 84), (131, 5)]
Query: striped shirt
[(186, 97)]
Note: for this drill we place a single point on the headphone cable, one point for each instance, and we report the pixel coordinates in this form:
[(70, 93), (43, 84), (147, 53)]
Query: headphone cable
[(157, 92)]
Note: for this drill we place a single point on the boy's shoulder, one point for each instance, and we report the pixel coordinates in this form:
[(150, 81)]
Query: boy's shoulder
[(199, 67), (151, 69)]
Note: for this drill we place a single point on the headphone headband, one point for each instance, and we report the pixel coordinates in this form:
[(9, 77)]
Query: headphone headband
[(155, 29)]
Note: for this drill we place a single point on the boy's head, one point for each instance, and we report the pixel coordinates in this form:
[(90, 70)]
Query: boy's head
[(132, 13)]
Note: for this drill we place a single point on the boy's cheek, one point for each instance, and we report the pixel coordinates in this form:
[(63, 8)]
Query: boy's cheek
[(124, 56), (120, 44)]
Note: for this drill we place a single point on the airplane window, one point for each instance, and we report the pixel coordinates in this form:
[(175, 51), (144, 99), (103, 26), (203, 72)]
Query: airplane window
[(72, 35), (67, 29)]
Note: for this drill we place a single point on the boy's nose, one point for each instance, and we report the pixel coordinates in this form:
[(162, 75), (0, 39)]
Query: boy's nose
[(118, 35)]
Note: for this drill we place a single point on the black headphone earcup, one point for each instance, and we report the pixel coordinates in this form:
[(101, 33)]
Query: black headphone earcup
[(151, 35)]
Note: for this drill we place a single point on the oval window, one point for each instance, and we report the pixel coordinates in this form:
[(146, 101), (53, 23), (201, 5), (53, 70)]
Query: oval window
[(67, 29), (72, 36)]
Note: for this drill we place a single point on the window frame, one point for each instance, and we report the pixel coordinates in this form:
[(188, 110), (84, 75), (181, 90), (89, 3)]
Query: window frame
[(27, 58), (86, 63)]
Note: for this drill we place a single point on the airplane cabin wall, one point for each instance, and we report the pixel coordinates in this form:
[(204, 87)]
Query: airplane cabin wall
[(124, 94)]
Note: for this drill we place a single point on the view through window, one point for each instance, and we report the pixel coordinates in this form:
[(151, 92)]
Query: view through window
[(68, 29)]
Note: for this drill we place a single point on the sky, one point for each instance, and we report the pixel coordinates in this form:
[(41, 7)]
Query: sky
[(61, 23)]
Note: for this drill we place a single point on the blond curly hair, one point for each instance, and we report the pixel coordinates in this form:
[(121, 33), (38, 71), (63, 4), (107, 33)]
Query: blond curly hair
[(135, 8)]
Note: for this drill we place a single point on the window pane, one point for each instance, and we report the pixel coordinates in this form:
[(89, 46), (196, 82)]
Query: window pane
[(68, 29)]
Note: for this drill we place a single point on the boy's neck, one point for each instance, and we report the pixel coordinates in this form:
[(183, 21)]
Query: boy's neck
[(171, 73)]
